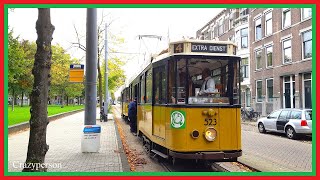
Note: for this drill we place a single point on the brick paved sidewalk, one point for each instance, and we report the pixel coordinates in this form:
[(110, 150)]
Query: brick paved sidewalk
[(64, 140)]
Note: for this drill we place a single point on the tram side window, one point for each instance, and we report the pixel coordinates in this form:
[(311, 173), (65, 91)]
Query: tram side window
[(171, 82), (236, 83), (159, 85), (142, 90), (163, 86), (149, 87)]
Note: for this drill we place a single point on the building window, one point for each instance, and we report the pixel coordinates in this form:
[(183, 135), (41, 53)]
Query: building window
[(268, 29), (245, 67), (244, 11), (288, 91), (287, 52), (269, 90), (258, 59), (258, 29), (248, 97), (244, 37), (307, 90), (238, 41), (286, 17), (259, 90), (269, 52), (231, 38), (220, 27), (307, 44), (230, 24), (306, 13)]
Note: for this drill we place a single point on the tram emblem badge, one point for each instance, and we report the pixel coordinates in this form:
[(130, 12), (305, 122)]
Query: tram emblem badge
[(178, 119)]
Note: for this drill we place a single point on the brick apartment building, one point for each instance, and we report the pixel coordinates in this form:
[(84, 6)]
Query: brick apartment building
[(231, 24), (275, 45)]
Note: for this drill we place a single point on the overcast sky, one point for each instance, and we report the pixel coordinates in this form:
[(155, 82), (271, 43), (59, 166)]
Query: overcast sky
[(127, 23)]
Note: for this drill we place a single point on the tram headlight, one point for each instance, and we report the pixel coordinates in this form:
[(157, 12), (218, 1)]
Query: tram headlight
[(210, 134)]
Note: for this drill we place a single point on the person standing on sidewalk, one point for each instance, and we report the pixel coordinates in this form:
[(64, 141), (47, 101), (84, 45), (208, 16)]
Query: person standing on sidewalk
[(132, 113)]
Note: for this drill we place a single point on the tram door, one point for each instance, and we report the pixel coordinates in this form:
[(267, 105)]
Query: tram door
[(159, 94)]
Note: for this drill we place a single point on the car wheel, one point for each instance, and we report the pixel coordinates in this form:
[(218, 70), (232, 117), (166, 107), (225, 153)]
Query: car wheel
[(291, 133), (261, 128)]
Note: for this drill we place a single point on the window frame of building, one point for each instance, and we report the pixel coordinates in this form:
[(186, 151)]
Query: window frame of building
[(306, 77), (289, 79), (232, 38), (259, 99), (245, 67), (248, 97), (309, 15), (309, 41), (255, 58), (244, 36), (268, 87), (238, 39), (231, 23), (244, 11), (220, 25), (268, 23), (257, 24), (266, 55), (286, 48), (284, 15)]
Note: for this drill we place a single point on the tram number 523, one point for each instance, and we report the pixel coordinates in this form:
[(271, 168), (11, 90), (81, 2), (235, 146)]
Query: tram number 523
[(210, 121)]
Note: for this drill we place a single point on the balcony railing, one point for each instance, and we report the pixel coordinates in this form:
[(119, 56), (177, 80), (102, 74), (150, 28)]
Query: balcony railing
[(241, 20)]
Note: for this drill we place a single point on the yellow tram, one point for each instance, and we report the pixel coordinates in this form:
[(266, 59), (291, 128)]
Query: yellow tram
[(177, 116)]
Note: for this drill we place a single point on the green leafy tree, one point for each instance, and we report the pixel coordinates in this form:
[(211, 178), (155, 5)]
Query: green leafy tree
[(15, 58), (60, 72), (74, 90), (116, 76), (26, 78)]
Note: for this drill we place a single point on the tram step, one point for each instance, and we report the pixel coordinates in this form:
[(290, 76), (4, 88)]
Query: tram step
[(159, 153)]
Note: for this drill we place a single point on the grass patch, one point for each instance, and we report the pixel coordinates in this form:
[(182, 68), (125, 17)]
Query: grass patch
[(22, 114)]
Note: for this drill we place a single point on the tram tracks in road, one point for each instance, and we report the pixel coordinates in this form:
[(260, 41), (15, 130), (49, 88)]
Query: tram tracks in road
[(192, 166)]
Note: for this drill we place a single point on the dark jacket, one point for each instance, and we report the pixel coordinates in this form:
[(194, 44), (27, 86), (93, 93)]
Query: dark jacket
[(132, 109)]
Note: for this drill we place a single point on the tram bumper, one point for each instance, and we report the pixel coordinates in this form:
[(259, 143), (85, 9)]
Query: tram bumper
[(207, 155)]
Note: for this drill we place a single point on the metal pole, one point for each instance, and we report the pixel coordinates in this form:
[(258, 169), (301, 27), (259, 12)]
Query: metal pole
[(106, 102), (91, 68)]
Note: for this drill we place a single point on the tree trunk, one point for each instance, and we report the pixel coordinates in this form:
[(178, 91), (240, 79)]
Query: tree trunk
[(62, 99), (12, 100), (38, 147), (22, 99), (30, 96), (67, 100), (100, 83)]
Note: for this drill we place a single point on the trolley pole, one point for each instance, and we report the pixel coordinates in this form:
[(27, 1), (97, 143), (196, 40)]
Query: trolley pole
[(91, 67), (106, 102)]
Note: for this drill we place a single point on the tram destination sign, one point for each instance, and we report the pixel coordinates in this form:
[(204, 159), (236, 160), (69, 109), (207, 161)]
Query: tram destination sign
[(209, 48)]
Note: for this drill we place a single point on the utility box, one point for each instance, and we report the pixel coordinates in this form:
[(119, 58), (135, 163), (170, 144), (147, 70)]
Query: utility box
[(90, 141)]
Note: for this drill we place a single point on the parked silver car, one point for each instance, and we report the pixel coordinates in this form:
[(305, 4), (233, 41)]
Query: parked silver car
[(292, 122)]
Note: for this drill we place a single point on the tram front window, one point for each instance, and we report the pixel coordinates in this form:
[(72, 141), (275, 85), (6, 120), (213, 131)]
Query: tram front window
[(212, 80)]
